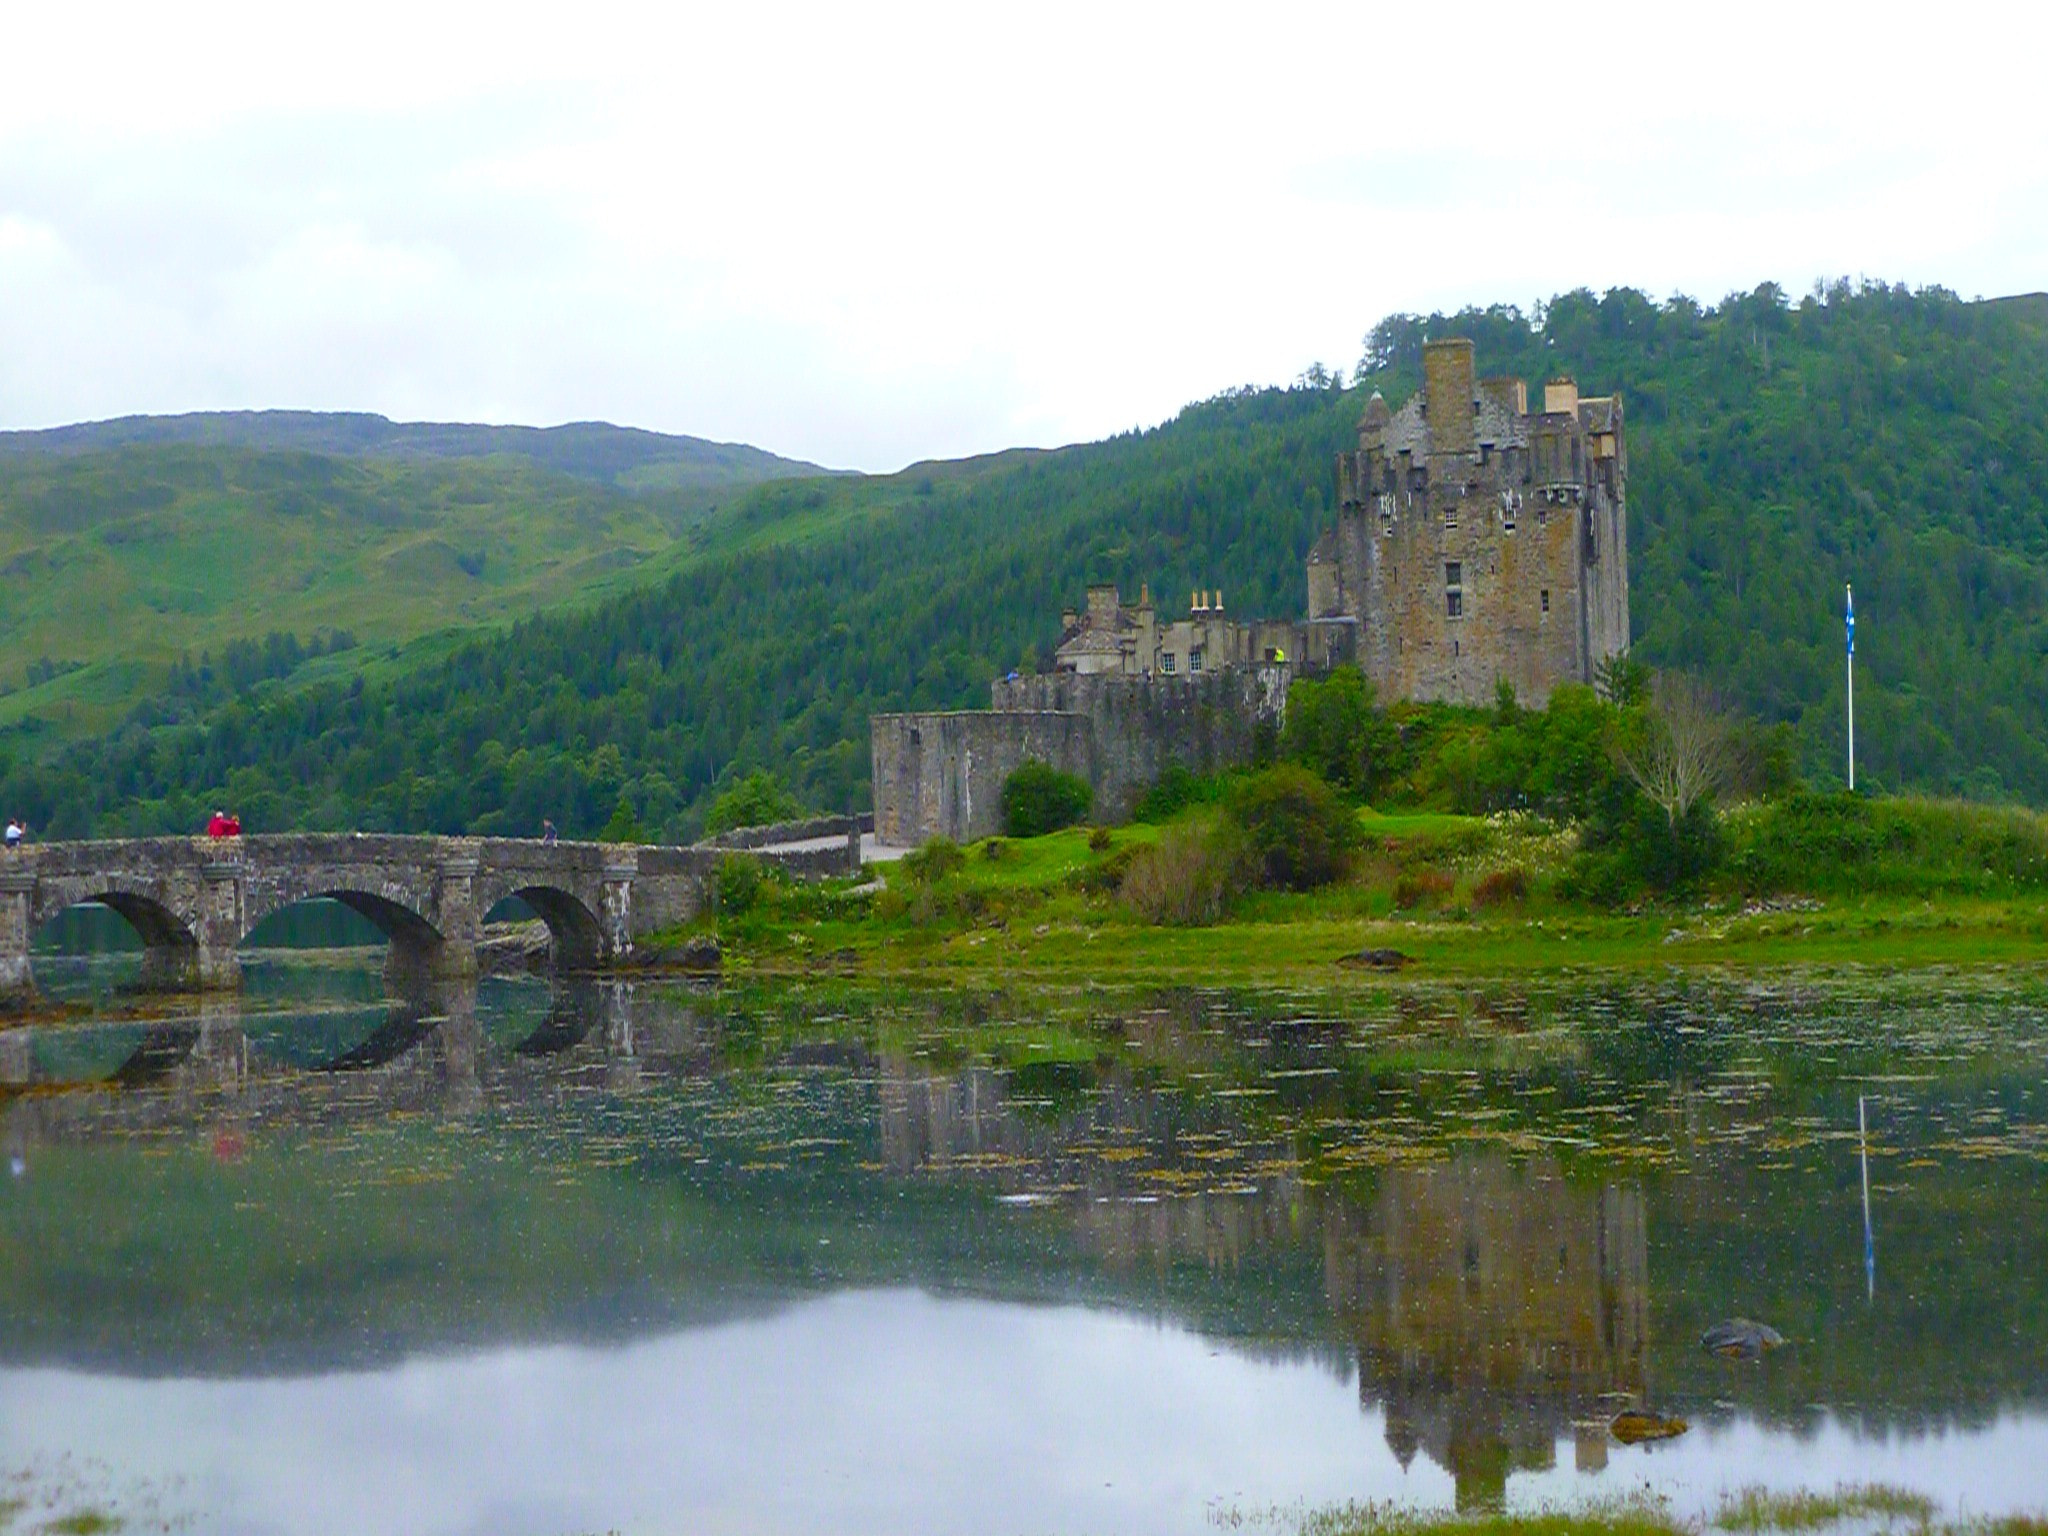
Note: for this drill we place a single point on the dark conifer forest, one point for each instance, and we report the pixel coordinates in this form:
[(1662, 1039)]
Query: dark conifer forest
[(1778, 448)]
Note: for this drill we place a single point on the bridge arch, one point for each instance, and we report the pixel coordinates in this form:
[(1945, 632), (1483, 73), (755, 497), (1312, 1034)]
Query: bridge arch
[(170, 947), (414, 954), (576, 934)]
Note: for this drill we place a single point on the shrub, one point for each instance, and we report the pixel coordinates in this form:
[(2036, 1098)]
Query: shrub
[(1098, 840), (1038, 798), (1636, 846), (1501, 888), (1422, 888), (1299, 834), (1333, 729), (624, 826), (934, 861), (758, 800), (736, 884), (995, 850), (1189, 877), (1176, 790)]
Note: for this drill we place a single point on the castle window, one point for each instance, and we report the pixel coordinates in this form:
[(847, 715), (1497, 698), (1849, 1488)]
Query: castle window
[(1450, 514), (1454, 573), (1194, 658), (1166, 661), (1544, 595), (1485, 454), (1454, 596), (1454, 604)]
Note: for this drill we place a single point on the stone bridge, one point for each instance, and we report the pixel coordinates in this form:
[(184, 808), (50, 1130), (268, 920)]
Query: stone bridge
[(194, 899)]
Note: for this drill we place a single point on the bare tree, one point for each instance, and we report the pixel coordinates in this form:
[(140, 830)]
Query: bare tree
[(1686, 752)]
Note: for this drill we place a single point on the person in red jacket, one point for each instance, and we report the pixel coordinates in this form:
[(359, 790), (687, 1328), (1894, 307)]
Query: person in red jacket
[(234, 824), (217, 824)]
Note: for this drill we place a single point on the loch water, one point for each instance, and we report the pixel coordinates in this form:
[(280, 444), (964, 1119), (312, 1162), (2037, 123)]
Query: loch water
[(823, 1254)]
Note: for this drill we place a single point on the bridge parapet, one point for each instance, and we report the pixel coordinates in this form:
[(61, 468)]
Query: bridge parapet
[(193, 900)]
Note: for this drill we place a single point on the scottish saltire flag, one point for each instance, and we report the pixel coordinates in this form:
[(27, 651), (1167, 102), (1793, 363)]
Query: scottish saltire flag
[(1850, 614)]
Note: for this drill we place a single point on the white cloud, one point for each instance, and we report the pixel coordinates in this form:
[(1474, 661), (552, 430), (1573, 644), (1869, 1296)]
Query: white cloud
[(866, 234)]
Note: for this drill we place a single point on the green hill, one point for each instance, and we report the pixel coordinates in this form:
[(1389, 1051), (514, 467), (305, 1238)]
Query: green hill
[(626, 458), (126, 546), (1777, 450)]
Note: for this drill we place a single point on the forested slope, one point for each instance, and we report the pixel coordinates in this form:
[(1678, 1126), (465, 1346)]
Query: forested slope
[(1777, 449)]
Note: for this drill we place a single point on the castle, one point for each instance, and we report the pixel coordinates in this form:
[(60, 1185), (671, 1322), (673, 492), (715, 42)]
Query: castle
[(1476, 543)]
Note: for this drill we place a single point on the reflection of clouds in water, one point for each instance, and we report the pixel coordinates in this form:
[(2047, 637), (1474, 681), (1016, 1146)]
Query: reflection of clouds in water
[(875, 1411), (868, 1411)]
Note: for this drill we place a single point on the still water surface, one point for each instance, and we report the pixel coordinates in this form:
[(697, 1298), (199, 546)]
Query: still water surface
[(822, 1256)]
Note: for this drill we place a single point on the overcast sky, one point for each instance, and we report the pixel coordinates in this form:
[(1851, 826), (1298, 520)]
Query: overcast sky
[(867, 234)]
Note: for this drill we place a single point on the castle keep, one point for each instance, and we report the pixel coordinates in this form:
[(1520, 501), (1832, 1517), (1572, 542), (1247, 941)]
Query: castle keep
[(1476, 543)]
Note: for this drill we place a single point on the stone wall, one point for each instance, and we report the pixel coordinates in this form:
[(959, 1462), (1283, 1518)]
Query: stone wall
[(942, 775)]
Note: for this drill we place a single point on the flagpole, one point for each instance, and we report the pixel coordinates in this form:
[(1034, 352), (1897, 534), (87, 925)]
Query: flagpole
[(1849, 613)]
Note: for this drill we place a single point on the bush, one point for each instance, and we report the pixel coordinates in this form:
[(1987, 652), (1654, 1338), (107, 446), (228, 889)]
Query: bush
[(1635, 847), (624, 827), (1501, 888), (1098, 840), (934, 861), (995, 850), (1299, 833), (736, 884), (1333, 729), (1841, 843), (1189, 877), (758, 800), (1175, 792), (1038, 798), (1422, 888)]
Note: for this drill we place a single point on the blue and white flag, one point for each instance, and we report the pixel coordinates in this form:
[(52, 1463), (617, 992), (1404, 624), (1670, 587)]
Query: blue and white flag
[(1850, 613)]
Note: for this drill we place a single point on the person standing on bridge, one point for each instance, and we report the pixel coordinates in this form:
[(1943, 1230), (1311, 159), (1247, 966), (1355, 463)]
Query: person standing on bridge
[(17, 829), (547, 830), (217, 824)]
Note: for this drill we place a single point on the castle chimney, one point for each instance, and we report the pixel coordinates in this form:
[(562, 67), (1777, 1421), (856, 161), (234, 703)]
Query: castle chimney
[(1511, 395), (1561, 396), (1447, 375)]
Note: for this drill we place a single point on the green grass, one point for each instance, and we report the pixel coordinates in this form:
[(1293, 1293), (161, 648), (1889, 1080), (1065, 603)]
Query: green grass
[(1045, 907), (1758, 1509)]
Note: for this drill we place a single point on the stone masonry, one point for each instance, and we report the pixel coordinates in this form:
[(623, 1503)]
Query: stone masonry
[(942, 774), (1478, 542)]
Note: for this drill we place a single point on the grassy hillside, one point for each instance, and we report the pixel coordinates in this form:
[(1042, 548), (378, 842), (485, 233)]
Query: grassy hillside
[(118, 561), (1777, 449), (623, 457)]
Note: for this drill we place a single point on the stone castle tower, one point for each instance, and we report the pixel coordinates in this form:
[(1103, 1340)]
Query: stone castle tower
[(1477, 541)]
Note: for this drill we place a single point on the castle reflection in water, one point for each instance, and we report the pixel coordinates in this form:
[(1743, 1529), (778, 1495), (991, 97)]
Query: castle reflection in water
[(1493, 1306)]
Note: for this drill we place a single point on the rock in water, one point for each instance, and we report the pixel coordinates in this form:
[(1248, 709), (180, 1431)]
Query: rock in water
[(1376, 960), (700, 953), (1741, 1339), (1633, 1426)]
